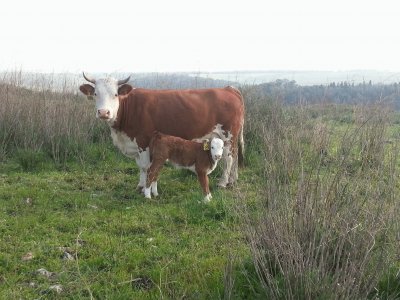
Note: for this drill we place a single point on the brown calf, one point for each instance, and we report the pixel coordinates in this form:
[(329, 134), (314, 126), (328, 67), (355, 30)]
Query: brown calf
[(200, 158)]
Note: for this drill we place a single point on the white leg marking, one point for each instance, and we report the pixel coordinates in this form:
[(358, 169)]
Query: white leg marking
[(207, 198), (142, 179), (233, 177), (144, 163), (154, 188), (227, 165), (147, 193)]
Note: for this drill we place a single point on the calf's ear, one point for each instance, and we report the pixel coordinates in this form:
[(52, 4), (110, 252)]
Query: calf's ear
[(87, 89), (124, 89)]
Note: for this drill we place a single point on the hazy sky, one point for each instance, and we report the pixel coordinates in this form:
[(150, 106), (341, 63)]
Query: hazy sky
[(202, 35)]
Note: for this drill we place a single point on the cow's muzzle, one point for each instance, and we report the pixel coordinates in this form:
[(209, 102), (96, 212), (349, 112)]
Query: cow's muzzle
[(104, 114)]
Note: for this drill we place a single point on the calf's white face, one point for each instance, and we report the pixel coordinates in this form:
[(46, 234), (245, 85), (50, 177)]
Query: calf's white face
[(217, 148)]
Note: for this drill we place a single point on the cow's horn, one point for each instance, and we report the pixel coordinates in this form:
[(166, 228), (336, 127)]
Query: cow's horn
[(123, 81), (89, 79)]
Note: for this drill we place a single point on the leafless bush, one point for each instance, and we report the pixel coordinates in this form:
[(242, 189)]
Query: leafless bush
[(39, 119), (320, 230), (320, 141), (373, 119)]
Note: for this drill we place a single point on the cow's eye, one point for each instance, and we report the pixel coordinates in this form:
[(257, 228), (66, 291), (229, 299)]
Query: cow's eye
[(95, 94), (116, 95)]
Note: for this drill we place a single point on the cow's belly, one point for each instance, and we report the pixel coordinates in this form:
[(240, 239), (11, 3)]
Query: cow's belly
[(127, 146), (179, 166)]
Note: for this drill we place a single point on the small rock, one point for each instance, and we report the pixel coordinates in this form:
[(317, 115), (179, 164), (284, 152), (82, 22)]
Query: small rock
[(32, 284), (57, 288), (68, 256), (28, 201), (28, 256), (93, 206), (45, 273)]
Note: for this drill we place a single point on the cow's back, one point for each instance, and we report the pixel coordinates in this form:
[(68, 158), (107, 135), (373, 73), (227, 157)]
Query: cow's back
[(189, 114)]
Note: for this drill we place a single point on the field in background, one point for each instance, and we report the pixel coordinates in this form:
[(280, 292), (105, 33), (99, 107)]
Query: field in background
[(314, 215)]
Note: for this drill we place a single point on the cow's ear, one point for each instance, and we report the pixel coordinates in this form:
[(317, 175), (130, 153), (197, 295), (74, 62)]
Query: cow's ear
[(124, 89), (87, 89)]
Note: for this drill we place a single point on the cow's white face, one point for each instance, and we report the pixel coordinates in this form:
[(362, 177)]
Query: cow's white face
[(106, 96), (106, 92), (217, 148)]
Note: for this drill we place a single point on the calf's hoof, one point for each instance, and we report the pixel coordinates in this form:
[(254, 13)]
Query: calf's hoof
[(207, 198)]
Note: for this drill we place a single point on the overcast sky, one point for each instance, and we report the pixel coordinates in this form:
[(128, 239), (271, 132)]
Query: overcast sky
[(202, 35)]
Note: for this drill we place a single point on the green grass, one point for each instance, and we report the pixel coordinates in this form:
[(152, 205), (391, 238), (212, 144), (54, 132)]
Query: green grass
[(171, 246), (82, 199)]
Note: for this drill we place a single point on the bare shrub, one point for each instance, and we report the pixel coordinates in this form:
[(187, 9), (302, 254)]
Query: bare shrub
[(373, 118), (320, 141), (319, 230), (60, 124)]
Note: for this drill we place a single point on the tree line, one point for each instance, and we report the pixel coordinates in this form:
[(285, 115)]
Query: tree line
[(337, 92)]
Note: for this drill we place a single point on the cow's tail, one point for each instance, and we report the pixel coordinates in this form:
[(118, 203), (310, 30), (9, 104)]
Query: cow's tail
[(240, 138), (241, 147)]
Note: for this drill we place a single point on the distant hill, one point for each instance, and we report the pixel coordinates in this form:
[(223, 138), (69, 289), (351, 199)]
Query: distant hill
[(177, 81), (306, 77), (69, 82)]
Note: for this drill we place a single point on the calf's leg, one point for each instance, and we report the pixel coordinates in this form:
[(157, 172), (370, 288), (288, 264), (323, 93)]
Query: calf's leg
[(203, 179), (152, 175)]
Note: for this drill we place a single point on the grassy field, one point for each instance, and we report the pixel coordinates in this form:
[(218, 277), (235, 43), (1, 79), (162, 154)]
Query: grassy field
[(120, 245), (313, 216)]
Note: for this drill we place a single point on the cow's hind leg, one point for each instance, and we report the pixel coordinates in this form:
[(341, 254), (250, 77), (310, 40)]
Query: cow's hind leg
[(233, 175), (227, 165), (151, 178)]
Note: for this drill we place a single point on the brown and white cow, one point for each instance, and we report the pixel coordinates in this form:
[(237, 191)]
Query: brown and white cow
[(194, 114), (199, 157)]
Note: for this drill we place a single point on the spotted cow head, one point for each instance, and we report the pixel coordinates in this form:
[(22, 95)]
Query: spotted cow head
[(106, 92)]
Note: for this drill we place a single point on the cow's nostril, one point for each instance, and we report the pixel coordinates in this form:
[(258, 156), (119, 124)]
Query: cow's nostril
[(102, 113)]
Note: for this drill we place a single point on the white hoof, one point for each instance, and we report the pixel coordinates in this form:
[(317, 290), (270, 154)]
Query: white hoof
[(207, 198), (147, 192), (154, 189)]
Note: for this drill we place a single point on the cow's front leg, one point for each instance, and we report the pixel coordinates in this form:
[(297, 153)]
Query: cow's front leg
[(143, 162)]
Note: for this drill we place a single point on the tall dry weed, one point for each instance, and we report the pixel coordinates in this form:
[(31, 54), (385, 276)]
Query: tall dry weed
[(39, 119), (323, 229)]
